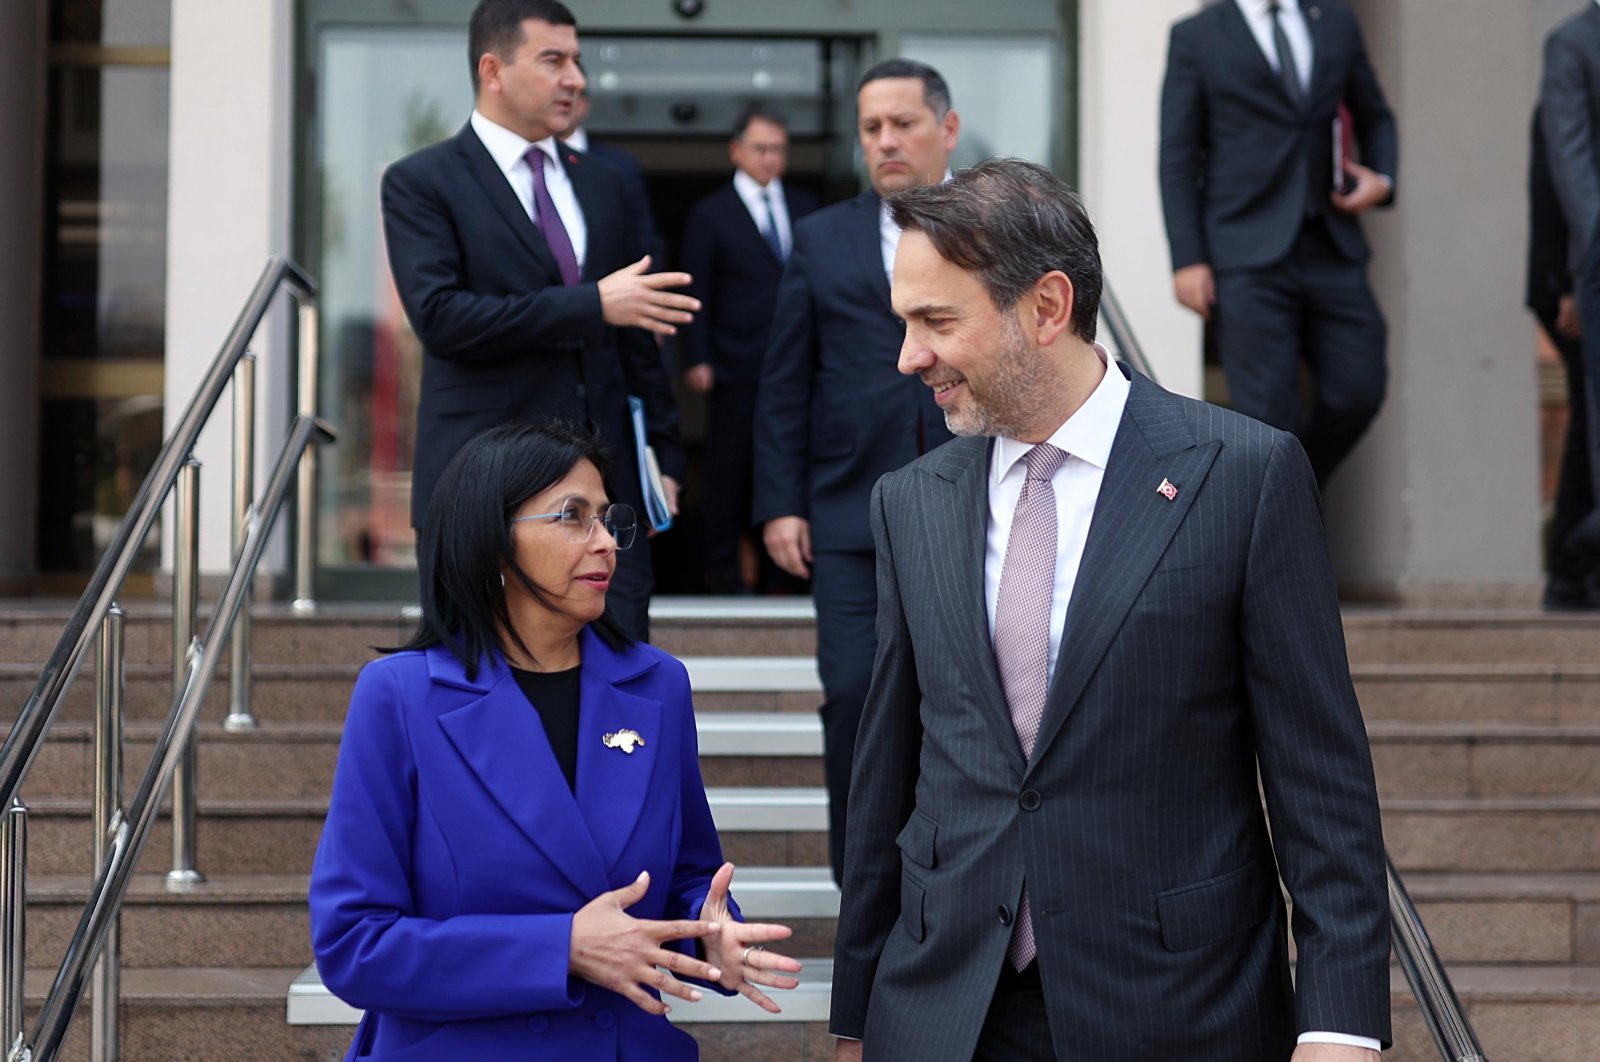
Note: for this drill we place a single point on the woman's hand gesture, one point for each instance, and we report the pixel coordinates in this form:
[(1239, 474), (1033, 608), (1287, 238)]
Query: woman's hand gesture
[(611, 948), (739, 948)]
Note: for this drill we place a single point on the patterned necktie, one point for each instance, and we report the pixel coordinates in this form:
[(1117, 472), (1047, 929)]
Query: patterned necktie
[(1287, 70), (549, 221), (769, 231), (1022, 631)]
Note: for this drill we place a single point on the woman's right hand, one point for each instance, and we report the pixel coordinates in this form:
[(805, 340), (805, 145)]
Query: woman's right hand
[(615, 950)]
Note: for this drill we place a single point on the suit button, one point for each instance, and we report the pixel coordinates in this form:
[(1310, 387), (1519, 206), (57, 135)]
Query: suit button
[(1005, 915), (604, 1019), (539, 1023), (580, 390), (1030, 800)]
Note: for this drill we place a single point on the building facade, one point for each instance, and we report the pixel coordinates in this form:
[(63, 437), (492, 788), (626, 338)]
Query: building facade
[(173, 145)]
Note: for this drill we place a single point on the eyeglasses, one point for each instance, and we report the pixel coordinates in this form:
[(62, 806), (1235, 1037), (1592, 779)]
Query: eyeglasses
[(577, 521)]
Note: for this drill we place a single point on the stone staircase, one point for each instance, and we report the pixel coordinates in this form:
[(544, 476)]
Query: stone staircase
[(1485, 729)]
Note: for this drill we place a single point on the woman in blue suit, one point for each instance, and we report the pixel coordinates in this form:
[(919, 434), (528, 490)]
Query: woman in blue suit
[(518, 843)]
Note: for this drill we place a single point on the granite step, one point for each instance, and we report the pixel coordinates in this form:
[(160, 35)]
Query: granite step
[(346, 632), (1474, 759), (229, 920), (786, 826), (1545, 1012), (1516, 691)]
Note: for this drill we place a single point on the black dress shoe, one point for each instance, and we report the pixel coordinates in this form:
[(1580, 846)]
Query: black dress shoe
[(1570, 595)]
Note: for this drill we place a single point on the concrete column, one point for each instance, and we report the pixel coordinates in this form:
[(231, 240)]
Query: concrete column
[(22, 85), (1440, 504), (1122, 56), (231, 169)]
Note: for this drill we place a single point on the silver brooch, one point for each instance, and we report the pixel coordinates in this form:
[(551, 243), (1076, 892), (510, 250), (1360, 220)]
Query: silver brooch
[(625, 740)]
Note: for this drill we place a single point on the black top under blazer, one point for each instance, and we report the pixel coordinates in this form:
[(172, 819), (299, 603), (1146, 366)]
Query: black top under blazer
[(1236, 152), (832, 411), (1202, 640), (736, 280), (503, 339)]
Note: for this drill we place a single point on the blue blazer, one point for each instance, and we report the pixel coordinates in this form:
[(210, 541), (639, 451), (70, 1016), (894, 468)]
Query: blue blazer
[(455, 856)]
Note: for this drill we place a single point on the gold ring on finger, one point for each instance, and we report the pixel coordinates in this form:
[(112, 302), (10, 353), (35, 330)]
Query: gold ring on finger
[(744, 960)]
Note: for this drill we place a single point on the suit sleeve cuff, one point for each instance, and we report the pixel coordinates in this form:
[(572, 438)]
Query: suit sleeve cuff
[(1340, 1038)]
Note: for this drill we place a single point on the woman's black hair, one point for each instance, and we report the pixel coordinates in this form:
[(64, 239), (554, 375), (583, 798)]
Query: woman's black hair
[(467, 541)]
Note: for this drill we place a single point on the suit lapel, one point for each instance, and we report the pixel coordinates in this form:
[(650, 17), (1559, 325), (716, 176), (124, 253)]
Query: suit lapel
[(1237, 37), (503, 744), (1314, 27), (963, 505), (498, 191), (1130, 529), (747, 228), (612, 783), (868, 240), (596, 218)]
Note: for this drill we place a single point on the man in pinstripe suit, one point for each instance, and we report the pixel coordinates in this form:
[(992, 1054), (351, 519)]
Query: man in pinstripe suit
[(1098, 612)]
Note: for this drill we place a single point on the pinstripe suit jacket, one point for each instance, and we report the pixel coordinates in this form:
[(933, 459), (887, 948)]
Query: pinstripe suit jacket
[(1202, 639)]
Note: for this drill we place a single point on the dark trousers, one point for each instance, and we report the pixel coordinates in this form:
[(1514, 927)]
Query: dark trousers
[(1016, 1029), (628, 600), (1314, 305), (729, 466), (1569, 559), (1585, 536), (844, 586)]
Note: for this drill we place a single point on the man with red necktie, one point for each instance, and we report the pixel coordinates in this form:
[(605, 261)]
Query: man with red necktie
[(515, 262)]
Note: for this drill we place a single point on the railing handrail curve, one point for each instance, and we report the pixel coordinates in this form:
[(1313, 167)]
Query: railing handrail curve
[(134, 829), (27, 733)]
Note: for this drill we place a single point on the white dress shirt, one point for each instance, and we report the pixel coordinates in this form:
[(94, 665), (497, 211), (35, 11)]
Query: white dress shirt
[(1259, 19), (508, 150), (1086, 437), (753, 196), (889, 235)]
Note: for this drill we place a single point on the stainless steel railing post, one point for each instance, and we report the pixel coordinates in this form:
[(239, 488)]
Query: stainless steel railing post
[(305, 539), (244, 478), (185, 603), (14, 905), (106, 1006)]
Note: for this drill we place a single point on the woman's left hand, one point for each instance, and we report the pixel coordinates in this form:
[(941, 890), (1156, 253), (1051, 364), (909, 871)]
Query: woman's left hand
[(738, 949)]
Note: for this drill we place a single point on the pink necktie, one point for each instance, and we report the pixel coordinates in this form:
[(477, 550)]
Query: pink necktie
[(549, 221), (1022, 631)]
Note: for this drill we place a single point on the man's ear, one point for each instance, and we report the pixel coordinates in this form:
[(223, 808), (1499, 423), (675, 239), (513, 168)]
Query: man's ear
[(1052, 301), (952, 130), (488, 71)]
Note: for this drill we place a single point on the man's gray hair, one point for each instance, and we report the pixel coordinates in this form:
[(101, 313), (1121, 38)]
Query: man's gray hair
[(1010, 222)]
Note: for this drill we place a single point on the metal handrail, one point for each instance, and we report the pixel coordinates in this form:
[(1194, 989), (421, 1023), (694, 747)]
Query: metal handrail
[(1435, 995), (133, 829), (1430, 985), (120, 833), (1122, 333), (27, 734)]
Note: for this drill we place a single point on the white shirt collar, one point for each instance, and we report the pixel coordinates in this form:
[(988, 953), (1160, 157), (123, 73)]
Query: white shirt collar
[(749, 189), (578, 139), (1258, 8), (1088, 434), (506, 147)]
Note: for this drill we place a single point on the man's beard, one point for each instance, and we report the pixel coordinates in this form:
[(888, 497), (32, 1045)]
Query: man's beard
[(999, 405)]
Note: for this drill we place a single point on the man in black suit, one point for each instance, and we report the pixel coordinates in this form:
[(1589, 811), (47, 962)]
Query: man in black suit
[(1569, 116), (1263, 245), (832, 413), (515, 264), (1104, 613), (734, 245), (1570, 562)]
